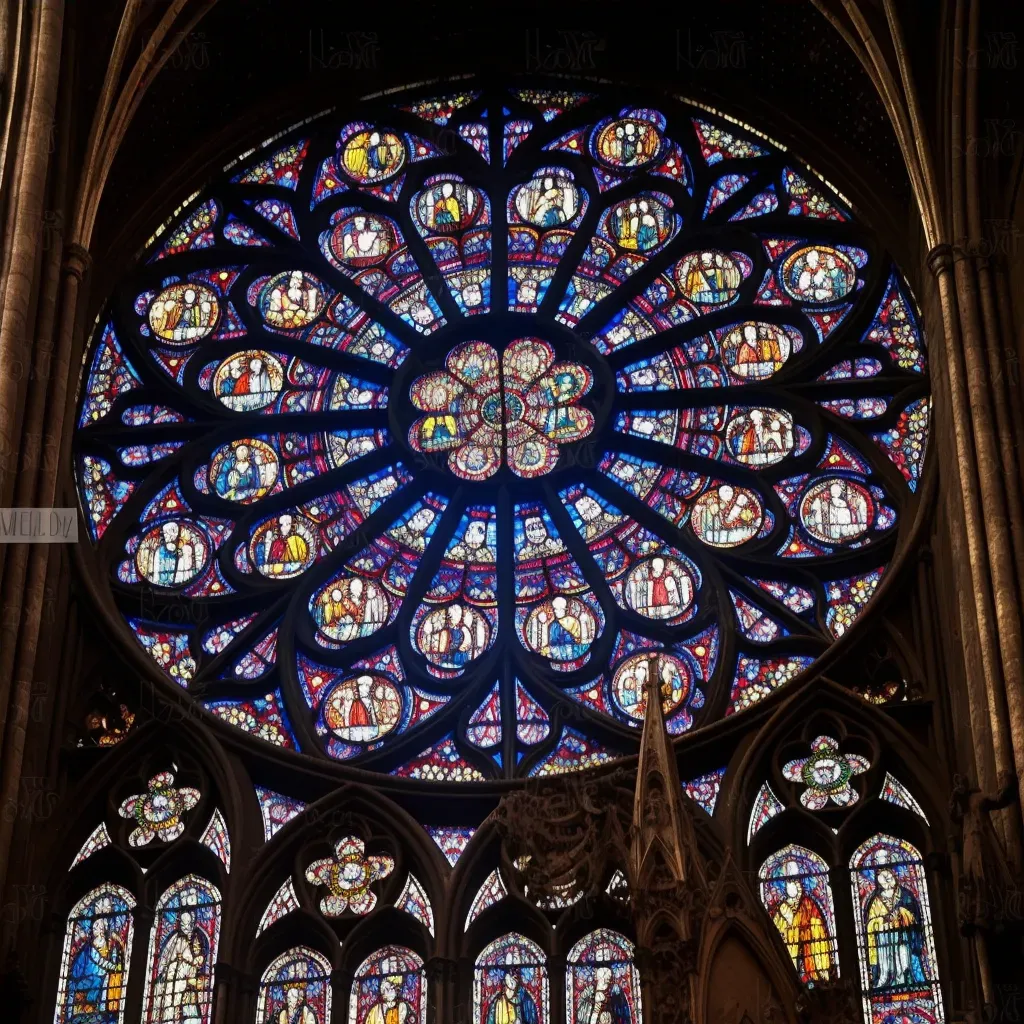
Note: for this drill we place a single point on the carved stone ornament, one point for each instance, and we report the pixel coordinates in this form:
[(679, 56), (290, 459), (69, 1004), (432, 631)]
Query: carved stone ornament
[(989, 895)]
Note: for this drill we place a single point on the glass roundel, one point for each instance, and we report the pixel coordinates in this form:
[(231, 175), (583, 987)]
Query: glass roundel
[(429, 438)]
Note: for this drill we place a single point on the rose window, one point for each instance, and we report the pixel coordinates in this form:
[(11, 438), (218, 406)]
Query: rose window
[(428, 437), (514, 409)]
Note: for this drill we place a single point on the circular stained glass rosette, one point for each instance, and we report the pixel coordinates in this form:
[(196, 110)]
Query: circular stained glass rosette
[(431, 438)]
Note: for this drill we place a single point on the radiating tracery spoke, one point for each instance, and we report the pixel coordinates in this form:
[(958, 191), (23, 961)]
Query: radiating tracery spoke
[(412, 507)]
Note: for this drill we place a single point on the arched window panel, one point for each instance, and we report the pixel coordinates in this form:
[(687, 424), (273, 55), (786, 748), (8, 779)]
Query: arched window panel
[(96, 958), (390, 985), (895, 944), (314, 412), (601, 979), (510, 982), (296, 987), (796, 893), (182, 954)]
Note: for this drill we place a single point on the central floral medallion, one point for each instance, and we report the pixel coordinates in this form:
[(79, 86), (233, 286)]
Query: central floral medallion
[(486, 409)]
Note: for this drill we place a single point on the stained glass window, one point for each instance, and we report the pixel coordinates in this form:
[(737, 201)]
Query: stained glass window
[(182, 954), (216, 837), (389, 985), (827, 774), (284, 901), (158, 812), (492, 890), (98, 839), (296, 987), (404, 434), (413, 900), (895, 945), (451, 840), (277, 810), (600, 978), (704, 790), (796, 893), (510, 982), (766, 806), (896, 793), (97, 955)]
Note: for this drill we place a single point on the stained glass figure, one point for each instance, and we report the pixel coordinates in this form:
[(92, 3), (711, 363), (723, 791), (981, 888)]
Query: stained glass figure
[(894, 792), (182, 954), (826, 773), (98, 839), (390, 985), (766, 806), (452, 633), (895, 945), (216, 837), (348, 875), (796, 893), (490, 892), (451, 840), (158, 812), (510, 983), (326, 427), (97, 955), (296, 988), (601, 982), (413, 900), (284, 901), (277, 810)]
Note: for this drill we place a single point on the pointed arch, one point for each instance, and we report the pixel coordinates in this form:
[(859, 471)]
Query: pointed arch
[(600, 975), (795, 890), (895, 944), (389, 978), (182, 953), (511, 976), (96, 958), (305, 973)]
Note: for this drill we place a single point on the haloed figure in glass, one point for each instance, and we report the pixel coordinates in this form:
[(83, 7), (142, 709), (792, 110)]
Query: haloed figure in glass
[(604, 1002), (97, 976), (182, 974), (895, 933), (802, 926), (391, 1008), (513, 1004), (296, 1009)]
